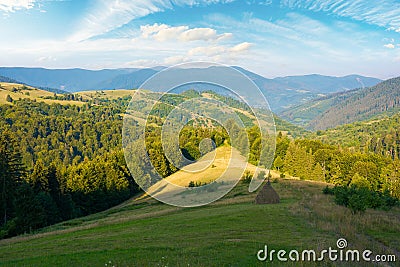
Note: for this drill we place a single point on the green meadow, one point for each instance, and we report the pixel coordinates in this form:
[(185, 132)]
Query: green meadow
[(229, 232)]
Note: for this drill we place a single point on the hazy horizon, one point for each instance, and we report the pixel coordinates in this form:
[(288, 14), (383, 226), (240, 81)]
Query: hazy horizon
[(160, 67)]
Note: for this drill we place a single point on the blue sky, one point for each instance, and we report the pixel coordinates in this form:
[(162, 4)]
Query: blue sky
[(270, 37)]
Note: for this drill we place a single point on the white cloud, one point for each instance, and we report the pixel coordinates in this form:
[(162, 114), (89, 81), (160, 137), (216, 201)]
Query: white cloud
[(390, 46), (169, 33), (141, 63), (195, 34), (46, 59), (207, 50), (111, 14), (14, 5), (384, 13), (175, 60), (241, 47), (163, 32), (225, 36), (148, 30), (218, 51)]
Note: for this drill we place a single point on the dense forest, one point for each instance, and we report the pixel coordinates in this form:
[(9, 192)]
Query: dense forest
[(380, 135), (59, 162), (346, 107), (305, 113), (361, 105), (63, 161)]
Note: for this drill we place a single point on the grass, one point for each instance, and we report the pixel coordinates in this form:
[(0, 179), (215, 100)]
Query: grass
[(228, 232), (29, 92), (108, 94), (212, 167), (39, 95)]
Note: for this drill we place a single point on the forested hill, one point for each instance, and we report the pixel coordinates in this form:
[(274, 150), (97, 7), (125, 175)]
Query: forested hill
[(364, 104), (282, 92), (380, 136), (61, 155), (7, 80), (305, 113)]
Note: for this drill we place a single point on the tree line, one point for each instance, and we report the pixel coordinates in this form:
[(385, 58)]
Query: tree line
[(60, 162), (341, 166)]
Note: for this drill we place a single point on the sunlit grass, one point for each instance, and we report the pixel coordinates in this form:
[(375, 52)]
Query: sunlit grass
[(226, 233)]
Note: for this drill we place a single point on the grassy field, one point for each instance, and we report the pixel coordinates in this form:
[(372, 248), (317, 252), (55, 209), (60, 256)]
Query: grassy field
[(228, 232), (212, 167), (108, 94), (18, 91)]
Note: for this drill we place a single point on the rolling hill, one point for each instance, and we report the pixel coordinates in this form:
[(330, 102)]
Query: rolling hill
[(19, 91), (303, 114), (7, 80), (379, 135), (347, 107), (364, 104), (70, 80), (326, 84), (282, 92)]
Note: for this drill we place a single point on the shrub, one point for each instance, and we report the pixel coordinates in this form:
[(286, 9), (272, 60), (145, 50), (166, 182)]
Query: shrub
[(247, 176), (359, 199), (328, 191), (357, 203), (196, 184)]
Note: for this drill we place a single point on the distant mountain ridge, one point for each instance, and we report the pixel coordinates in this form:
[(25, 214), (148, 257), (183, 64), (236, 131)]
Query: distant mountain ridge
[(304, 113), (366, 103), (281, 92), (324, 84), (347, 107), (4, 79)]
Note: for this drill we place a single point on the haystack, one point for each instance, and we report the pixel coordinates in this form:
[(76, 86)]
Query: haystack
[(267, 195)]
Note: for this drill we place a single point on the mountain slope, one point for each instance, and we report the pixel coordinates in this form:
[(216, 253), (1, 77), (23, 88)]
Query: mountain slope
[(4, 79), (286, 92), (364, 104), (283, 92), (131, 80), (379, 135), (20, 91), (304, 113), (66, 79), (327, 84)]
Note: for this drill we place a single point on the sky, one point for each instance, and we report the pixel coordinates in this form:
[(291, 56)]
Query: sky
[(270, 37)]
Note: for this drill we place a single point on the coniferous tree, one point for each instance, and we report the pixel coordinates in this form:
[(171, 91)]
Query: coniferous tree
[(278, 163), (11, 172), (317, 173)]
